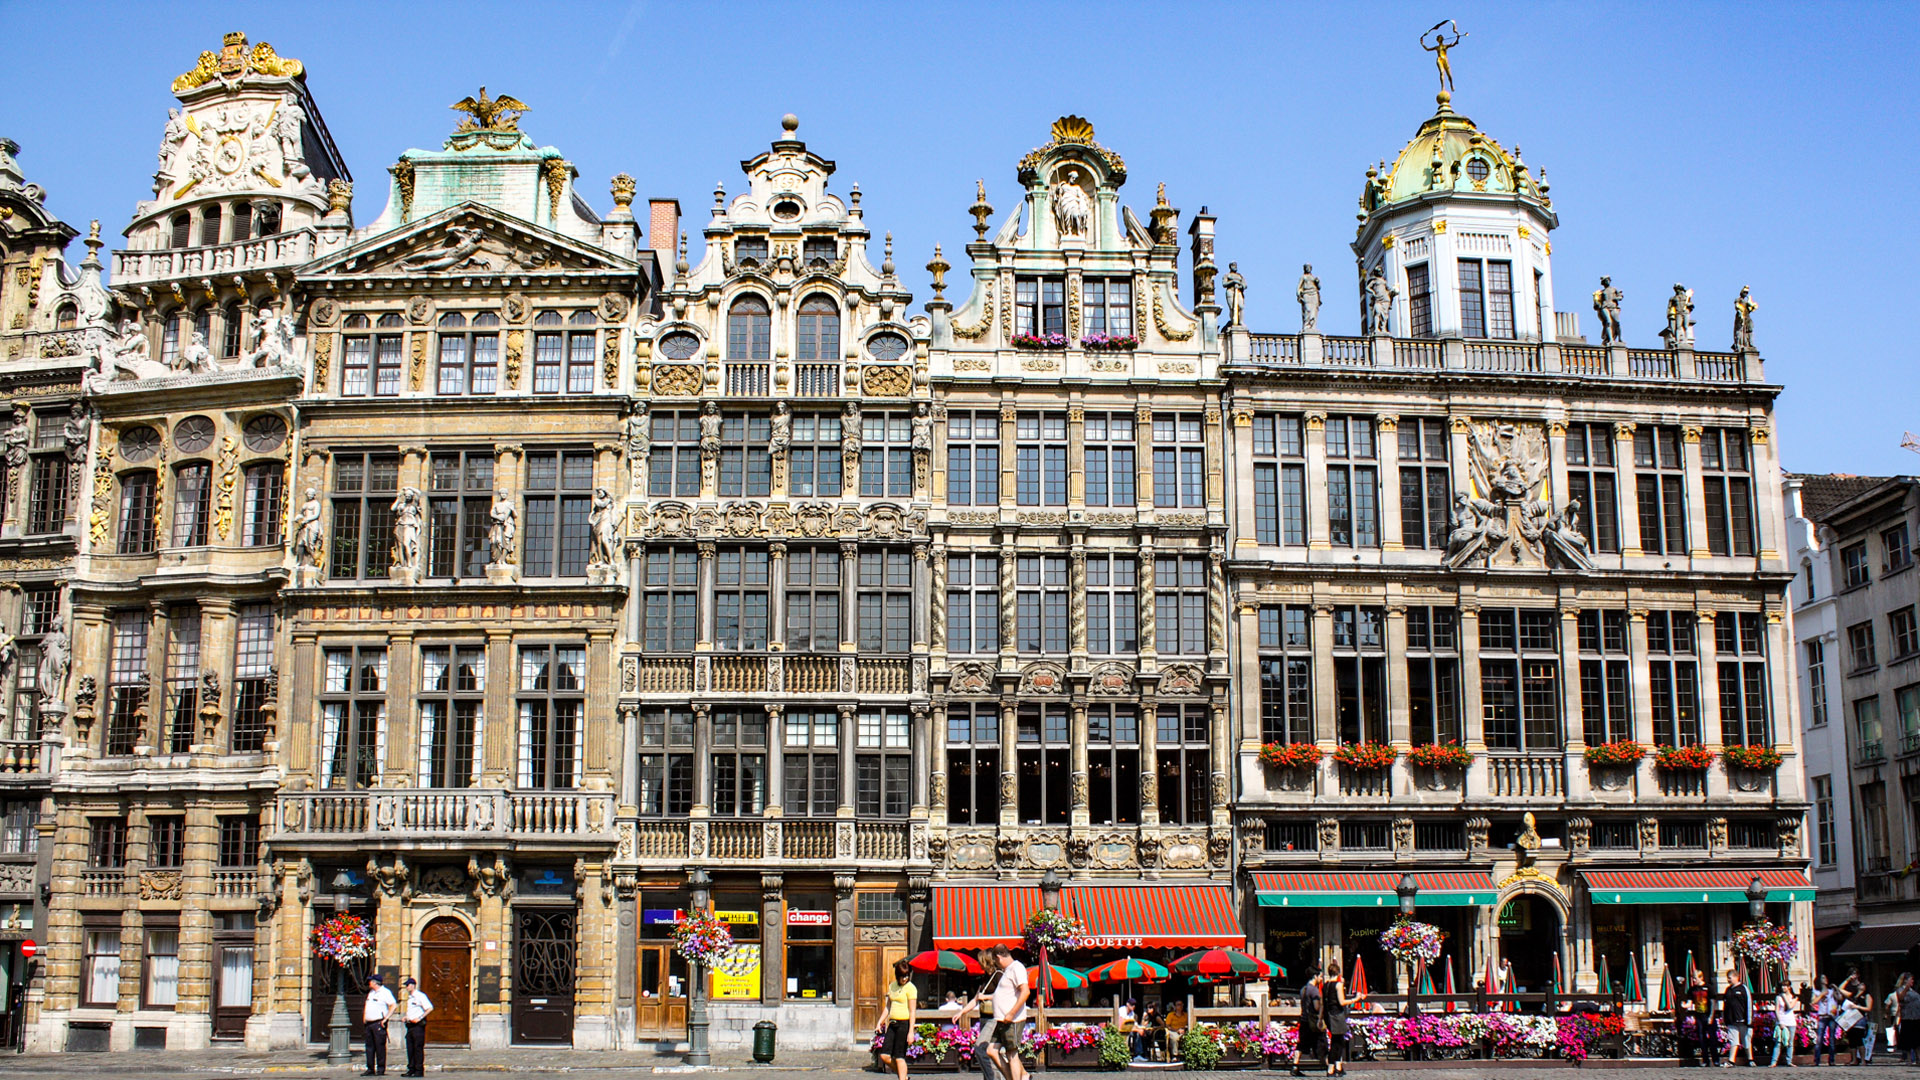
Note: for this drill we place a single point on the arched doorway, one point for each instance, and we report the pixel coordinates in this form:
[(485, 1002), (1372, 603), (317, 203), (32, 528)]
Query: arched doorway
[(1529, 927), (446, 977)]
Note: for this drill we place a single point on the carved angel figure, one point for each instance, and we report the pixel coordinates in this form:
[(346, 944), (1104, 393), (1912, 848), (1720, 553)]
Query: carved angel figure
[(1072, 211), (501, 532), (603, 527), (406, 529), (308, 537), (126, 357)]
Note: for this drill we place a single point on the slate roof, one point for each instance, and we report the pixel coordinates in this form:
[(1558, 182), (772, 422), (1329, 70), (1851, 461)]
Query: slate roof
[(1821, 492)]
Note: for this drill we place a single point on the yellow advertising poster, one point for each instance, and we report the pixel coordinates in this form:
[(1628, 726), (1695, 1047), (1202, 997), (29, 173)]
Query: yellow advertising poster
[(738, 976)]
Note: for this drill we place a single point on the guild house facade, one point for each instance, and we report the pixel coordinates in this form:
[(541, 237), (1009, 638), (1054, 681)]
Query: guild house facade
[(520, 576)]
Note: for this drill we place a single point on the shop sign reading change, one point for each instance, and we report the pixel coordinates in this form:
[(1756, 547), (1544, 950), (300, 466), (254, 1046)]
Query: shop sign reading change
[(809, 918)]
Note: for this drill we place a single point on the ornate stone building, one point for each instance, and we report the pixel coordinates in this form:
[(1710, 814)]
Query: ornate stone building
[(1078, 624), (1471, 528), (42, 365), (774, 679)]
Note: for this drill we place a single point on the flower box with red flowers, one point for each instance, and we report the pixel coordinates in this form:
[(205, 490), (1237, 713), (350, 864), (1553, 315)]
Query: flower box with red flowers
[(1366, 756), (1694, 758), (1039, 341), (1756, 758), (1109, 342), (1622, 752), (1299, 755), (1445, 755)]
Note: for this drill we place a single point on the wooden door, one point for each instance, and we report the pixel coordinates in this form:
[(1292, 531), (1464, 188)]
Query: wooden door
[(660, 1006), (233, 987), (872, 974), (446, 977), (545, 951)]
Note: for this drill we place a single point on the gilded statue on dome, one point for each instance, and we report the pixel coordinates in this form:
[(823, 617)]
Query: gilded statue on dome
[(1439, 49)]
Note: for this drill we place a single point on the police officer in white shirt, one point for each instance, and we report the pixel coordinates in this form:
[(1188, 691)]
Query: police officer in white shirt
[(373, 1024), (418, 1006)]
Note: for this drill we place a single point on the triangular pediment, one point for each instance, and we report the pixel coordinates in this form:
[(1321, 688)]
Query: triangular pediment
[(464, 241)]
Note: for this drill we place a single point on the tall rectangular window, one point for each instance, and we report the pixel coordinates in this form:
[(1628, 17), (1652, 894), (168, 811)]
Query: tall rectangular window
[(1039, 306), (1673, 678), (192, 503), (739, 763), (39, 613), (973, 763), (813, 599), (469, 354), (1861, 647), (1353, 483), (1113, 601), (262, 504), (1043, 765), (1109, 306), (1185, 764), (1826, 835), (973, 458), (1286, 674), (1740, 646), (1727, 475), (1040, 593), (137, 512), (1360, 674), (882, 773), (673, 456), (973, 604), (746, 460), (183, 678), (1040, 459), (353, 717), (813, 462), (886, 455), (1113, 765), (1661, 487), (1179, 460), (1853, 566), (1473, 300), (1426, 488), (1903, 635), (1868, 735), (103, 966), (664, 785), (1486, 298), (161, 986), (459, 505), (126, 681), (1110, 452), (670, 620), (1816, 682), (1520, 679), (559, 498), (1419, 302), (1606, 700), (740, 598), (1591, 479), (253, 677), (551, 701), (364, 487), (1898, 548), (811, 763), (1433, 675), (1180, 604), (453, 705), (239, 842), (166, 841), (1279, 479), (885, 597)]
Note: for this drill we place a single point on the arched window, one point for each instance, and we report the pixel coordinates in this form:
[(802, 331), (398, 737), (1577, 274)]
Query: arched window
[(210, 225), (230, 329), (269, 218), (67, 317), (819, 329), (242, 220), (182, 230), (749, 330)]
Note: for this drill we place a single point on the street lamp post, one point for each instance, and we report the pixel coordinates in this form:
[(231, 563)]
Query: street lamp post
[(339, 1048), (1757, 912), (1406, 890), (698, 881)]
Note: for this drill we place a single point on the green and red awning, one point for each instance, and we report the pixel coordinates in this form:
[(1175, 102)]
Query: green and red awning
[(1693, 886), (1371, 888), (1116, 916)]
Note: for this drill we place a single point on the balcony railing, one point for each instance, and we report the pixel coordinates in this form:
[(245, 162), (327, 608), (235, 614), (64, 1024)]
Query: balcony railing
[(103, 882), (1276, 349), (748, 380), (816, 380), (779, 673), (807, 839), (280, 251), (402, 812), (1505, 357), (812, 674), (1512, 358), (1418, 354), (1525, 776), (795, 840), (19, 756), (228, 884), (1872, 752), (1584, 359), (1347, 352), (1650, 363)]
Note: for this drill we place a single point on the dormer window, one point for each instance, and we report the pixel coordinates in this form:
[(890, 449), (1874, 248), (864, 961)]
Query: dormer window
[(820, 251), (66, 318), (1478, 170), (1486, 298), (1039, 305), (750, 250)]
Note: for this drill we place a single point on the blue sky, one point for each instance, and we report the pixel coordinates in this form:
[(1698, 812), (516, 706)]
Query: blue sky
[(1717, 145)]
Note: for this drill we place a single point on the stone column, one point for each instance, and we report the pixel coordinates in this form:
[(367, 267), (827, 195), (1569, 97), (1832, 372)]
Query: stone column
[(1219, 744), (922, 723), (937, 605), (1575, 769), (1214, 452), (1391, 532), (1009, 765), (1149, 762), (1696, 487), (1325, 721), (776, 761), (152, 737), (922, 588), (849, 596), (1076, 447), (703, 760), (636, 592), (1789, 783), (1769, 535), (403, 754), (1472, 708), (1642, 692), (1708, 691), (1077, 735), (603, 681), (1009, 605), (849, 729), (1008, 459), (708, 552), (1318, 534), (843, 938), (1241, 457), (1077, 603), (1628, 499), (1399, 705), (500, 761), (506, 486), (1557, 469), (777, 597), (629, 759), (773, 981), (1143, 599), (1248, 738), (304, 677)]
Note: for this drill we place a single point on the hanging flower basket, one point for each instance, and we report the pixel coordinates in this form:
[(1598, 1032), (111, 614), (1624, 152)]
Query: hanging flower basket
[(1039, 341), (343, 939), (1694, 758), (1366, 756), (702, 939), (1447, 755), (1299, 755), (1622, 752), (1110, 342), (1757, 758), (1051, 930), (1410, 940), (1764, 943)]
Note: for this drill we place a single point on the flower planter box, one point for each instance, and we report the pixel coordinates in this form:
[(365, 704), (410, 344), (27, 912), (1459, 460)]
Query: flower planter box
[(1246, 1059), (925, 1064), (1086, 1057)]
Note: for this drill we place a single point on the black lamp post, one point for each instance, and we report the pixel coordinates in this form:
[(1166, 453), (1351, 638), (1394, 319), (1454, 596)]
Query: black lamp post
[(698, 881), (339, 1047), (1406, 890), (1756, 900)]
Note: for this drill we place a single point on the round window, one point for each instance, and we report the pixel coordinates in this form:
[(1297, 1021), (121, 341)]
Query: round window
[(786, 210), (886, 346), (193, 434), (679, 345), (264, 434), (1477, 169), (139, 444)]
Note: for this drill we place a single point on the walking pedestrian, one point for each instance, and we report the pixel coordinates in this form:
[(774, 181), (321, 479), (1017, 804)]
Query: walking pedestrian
[(981, 1005), (418, 1007), (1737, 1013), (1857, 1005), (1705, 1033), (1826, 1019), (1333, 1007), (373, 1024), (1786, 1016), (1009, 1014), (896, 1028), (1909, 1002), (1309, 1037)]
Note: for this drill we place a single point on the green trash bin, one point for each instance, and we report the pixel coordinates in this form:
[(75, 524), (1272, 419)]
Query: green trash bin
[(764, 1034)]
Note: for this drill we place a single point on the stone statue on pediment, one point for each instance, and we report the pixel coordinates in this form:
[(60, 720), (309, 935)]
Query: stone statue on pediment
[(309, 537), (454, 254), (1308, 293), (1234, 284), (196, 357), (1379, 302), (126, 356), (1072, 210), (289, 124)]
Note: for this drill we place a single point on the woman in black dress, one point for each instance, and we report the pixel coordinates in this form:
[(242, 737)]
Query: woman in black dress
[(1333, 1006)]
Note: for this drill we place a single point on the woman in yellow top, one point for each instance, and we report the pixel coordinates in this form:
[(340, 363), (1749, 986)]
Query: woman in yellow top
[(897, 1026)]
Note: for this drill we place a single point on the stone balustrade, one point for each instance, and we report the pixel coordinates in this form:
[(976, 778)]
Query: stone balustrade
[(775, 840), (434, 815), (777, 673), (20, 757), (281, 251), (1494, 357)]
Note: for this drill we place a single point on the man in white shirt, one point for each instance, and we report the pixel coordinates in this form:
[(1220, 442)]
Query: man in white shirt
[(418, 1006), (373, 1024), (1009, 1014)]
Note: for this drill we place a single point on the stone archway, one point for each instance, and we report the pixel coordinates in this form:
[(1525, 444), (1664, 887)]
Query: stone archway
[(1529, 923)]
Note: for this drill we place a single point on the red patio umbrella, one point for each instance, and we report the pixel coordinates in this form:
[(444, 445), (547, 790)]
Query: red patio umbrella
[(946, 960), (1358, 988), (1449, 984)]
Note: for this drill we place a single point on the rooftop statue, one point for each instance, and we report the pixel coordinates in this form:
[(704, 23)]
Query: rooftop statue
[(1308, 293), (1606, 304), (490, 114), (1234, 284), (1379, 302), (1679, 331), (1072, 211), (1439, 49), (1743, 307)]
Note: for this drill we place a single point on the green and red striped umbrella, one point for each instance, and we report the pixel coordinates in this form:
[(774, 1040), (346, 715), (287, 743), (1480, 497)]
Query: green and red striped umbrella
[(1065, 978), (1130, 969), (1218, 962), (946, 960)]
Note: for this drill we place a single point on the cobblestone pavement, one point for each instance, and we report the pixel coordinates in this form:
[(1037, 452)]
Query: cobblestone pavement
[(735, 1065)]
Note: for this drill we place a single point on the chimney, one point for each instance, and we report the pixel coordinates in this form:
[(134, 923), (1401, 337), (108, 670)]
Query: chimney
[(663, 229)]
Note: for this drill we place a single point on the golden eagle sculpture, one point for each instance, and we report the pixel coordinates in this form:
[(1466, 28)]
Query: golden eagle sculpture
[(490, 114)]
